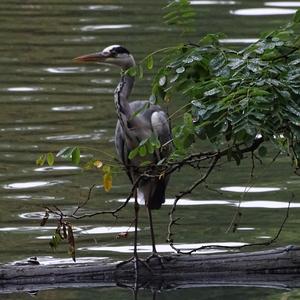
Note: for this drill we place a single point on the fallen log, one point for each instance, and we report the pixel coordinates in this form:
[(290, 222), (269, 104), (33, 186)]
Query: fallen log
[(279, 268)]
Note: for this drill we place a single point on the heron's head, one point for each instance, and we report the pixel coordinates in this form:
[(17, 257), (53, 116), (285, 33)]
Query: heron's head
[(113, 55)]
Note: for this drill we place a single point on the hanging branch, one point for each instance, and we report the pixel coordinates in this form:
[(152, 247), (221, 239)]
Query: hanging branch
[(183, 193)]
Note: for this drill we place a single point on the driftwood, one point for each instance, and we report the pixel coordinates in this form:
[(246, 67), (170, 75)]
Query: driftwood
[(278, 268)]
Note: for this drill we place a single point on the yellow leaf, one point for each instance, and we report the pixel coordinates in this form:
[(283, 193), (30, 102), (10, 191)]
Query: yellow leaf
[(107, 182), (41, 160), (98, 164)]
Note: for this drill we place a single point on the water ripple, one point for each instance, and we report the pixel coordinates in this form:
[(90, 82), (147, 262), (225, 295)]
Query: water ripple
[(72, 108), (267, 204), (105, 229), (247, 189), (93, 136), (25, 128), (284, 4), (27, 228), (101, 7), (238, 41), (262, 11), (212, 2), (163, 248), (32, 184), (57, 168), (24, 89), (105, 27)]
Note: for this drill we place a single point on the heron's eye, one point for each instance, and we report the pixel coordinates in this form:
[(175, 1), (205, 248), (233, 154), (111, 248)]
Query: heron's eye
[(113, 53)]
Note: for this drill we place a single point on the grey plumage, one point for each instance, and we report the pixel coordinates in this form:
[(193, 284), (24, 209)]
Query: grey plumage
[(129, 136)]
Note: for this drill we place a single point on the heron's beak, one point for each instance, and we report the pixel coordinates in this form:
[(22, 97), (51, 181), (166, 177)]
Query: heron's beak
[(97, 57)]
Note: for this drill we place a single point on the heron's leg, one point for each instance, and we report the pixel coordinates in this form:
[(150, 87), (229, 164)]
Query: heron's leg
[(136, 219), (154, 251), (135, 259)]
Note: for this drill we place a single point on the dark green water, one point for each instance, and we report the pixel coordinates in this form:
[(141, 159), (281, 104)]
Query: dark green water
[(48, 102)]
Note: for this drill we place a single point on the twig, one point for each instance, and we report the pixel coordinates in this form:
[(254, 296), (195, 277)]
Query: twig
[(183, 193), (86, 201)]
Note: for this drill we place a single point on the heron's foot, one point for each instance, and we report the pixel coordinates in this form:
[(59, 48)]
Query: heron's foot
[(137, 264), (160, 259)]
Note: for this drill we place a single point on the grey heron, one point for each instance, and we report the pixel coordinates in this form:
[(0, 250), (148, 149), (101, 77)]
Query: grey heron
[(132, 128)]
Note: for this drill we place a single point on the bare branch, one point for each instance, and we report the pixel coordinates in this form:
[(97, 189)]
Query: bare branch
[(183, 193)]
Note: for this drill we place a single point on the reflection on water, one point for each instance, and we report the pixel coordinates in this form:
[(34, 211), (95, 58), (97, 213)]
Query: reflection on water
[(284, 3), (72, 137), (212, 2), (24, 89), (72, 108), (249, 189), (32, 184), (57, 168), (165, 248), (263, 11), (103, 27), (238, 41), (101, 7), (101, 230), (27, 228)]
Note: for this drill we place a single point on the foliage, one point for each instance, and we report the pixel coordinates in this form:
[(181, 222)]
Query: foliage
[(234, 96), (179, 13), (147, 146), (73, 154)]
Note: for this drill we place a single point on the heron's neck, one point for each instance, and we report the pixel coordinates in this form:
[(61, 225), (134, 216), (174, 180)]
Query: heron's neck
[(122, 94)]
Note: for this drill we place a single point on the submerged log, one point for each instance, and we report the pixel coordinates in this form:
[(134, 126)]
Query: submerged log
[(278, 268)]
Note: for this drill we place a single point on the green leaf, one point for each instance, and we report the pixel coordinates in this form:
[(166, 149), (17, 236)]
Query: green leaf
[(162, 80), (149, 62), (142, 151), (106, 169), (65, 153), (76, 156), (212, 92), (50, 159), (150, 147), (133, 153), (297, 17), (132, 71), (152, 99), (141, 71), (180, 70), (55, 241)]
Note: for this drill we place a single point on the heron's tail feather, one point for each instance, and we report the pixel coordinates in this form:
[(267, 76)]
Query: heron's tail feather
[(153, 192)]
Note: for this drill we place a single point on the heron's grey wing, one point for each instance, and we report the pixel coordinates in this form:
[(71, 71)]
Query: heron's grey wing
[(161, 127), (121, 148)]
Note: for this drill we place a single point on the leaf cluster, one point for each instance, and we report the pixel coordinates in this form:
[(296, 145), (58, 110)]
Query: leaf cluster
[(64, 231), (233, 96), (180, 14)]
